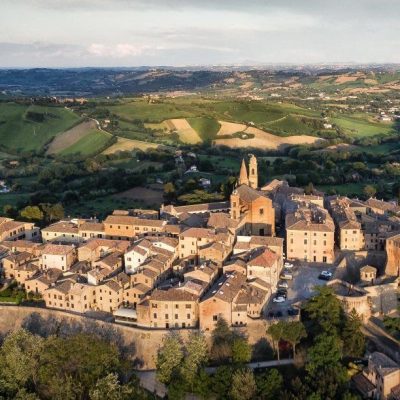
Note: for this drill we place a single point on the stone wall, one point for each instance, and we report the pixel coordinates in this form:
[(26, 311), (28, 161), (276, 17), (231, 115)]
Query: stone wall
[(147, 341)]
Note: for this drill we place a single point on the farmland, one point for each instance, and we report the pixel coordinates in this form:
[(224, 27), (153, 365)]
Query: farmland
[(92, 143), (30, 127)]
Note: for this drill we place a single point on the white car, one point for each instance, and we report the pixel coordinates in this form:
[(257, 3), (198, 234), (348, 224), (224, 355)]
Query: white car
[(279, 299), (288, 265), (283, 284), (327, 274)]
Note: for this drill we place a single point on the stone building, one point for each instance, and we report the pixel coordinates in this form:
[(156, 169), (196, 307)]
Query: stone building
[(310, 235)]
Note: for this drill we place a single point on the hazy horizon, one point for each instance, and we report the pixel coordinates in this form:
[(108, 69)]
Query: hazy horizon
[(178, 33)]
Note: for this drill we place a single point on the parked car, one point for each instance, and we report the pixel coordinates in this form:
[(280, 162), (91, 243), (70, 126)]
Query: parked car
[(286, 275), (279, 299), (293, 311), (278, 314), (326, 273), (288, 265), (271, 314), (281, 292), (283, 284), (324, 277)]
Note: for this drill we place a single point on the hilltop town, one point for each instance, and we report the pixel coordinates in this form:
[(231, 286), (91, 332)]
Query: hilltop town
[(251, 261)]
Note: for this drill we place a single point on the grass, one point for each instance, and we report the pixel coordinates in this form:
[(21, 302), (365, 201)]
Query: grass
[(358, 126), (12, 199), (355, 189), (92, 143), (207, 128), (20, 132), (292, 125), (101, 206), (384, 148)]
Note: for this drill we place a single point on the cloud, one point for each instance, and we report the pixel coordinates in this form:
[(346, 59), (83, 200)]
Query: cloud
[(120, 50)]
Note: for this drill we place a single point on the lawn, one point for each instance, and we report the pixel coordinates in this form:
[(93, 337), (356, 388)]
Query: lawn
[(92, 143), (26, 128), (207, 128)]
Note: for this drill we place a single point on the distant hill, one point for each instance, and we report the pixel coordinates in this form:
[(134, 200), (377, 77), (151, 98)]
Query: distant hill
[(121, 81)]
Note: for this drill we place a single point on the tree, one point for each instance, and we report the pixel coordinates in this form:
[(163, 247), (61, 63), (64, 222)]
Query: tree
[(52, 212), (195, 357), (324, 310), (20, 355), (241, 350), (294, 332), (32, 213), (169, 191), (276, 331), (70, 367), (222, 337), (109, 388), (369, 191), (169, 358), (243, 385), (353, 338), (326, 351), (325, 374), (309, 189), (221, 381), (269, 384)]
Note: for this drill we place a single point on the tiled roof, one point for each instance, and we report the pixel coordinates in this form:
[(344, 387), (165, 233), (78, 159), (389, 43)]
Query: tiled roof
[(62, 227), (57, 249), (92, 227), (173, 294), (199, 233), (262, 257)]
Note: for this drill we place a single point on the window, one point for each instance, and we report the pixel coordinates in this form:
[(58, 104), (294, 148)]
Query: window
[(215, 317), (188, 316), (176, 316), (261, 211), (305, 241), (155, 315)]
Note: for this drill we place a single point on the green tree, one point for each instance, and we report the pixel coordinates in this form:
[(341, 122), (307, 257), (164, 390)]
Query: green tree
[(309, 189), (20, 355), (32, 213), (326, 375), (169, 191), (195, 357), (222, 337), (276, 331), (70, 367), (327, 350), (169, 357), (109, 388), (241, 350), (369, 191), (202, 384), (324, 310), (353, 338), (269, 384), (243, 385), (293, 333), (221, 381)]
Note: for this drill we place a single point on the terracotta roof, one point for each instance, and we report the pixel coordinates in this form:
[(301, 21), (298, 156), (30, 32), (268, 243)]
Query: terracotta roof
[(262, 257), (116, 287), (248, 194), (199, 233), (62, 227), (173, 294), (57, 249), (92, 227), (204, 207), (19, 256), (382, 205), (133, 221), (310, 219), (221, 220)]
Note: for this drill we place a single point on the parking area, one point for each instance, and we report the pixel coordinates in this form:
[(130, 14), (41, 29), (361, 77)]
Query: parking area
[(305, 278)]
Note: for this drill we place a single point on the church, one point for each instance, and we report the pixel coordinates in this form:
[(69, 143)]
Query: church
[(250, 207)]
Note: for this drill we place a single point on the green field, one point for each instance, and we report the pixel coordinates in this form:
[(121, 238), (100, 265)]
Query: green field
[(359, 126), (26, 128), (348, 189), (207, 128), (90, 144)]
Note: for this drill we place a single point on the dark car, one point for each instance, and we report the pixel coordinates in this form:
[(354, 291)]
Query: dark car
[(282, 293), (324, 277), (271, 314), (278, 314), (293, 311)]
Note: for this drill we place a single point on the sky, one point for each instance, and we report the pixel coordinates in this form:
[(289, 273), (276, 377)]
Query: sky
[(112, 33)]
